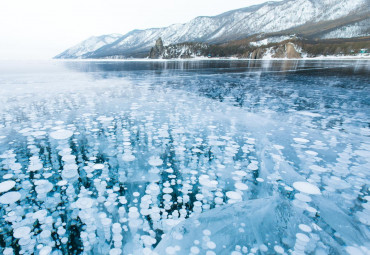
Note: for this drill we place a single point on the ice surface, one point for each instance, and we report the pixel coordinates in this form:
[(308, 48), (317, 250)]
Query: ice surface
[(245, 224), (189, 159)]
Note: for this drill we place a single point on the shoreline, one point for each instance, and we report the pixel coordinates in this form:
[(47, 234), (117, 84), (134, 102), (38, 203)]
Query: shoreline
[(321, 58), (214, 59)]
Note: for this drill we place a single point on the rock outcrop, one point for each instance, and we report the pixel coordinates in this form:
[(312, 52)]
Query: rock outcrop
[(157, 50), (286, 51), (257, 53)]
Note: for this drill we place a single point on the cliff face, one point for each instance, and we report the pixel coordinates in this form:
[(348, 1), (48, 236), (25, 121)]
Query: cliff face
[(286, 51)]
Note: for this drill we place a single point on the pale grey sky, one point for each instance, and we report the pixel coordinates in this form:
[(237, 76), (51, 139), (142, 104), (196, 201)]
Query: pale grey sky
[(40, 29)]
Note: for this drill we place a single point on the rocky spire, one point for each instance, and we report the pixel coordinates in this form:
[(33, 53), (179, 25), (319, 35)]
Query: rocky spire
[(157, 50)]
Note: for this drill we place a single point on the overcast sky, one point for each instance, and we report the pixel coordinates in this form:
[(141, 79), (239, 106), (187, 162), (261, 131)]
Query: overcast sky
[(40, 29)]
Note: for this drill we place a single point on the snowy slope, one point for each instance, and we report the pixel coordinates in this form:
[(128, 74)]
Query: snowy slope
[(89, 45), (358, 29), (236, 24)]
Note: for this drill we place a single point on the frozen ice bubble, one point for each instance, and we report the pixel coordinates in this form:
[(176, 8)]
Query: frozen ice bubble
[(148, 240), (69, 173), (219, 200), (22, 232), (307, 188), (133, 213), (253, 166), (300, 140), (287, 188), (62, 183), (6, 186), (312, 153), (45, 234), (168, 190), (199, 196), (311, 209), (8, 251), (106, 221), (7, 176), (69, 158), (278, 249), (128, 157), (305, 228), (155, 161), (61, 134), (41, 214), (98, 166), (206, 232), (43, 186), (317, 168), (264, 248), (302, 237), (205, 181), (240, 173), (10, 197), (115, 251), (211, 245), (194, 250), (233, 195), (241, 186), (84, 203), (24, 241), (46, 250)]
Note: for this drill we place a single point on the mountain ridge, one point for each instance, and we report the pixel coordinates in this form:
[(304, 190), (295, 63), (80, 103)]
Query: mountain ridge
[(266, 18)]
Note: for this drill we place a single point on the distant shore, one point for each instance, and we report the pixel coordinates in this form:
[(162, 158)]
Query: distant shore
[(365, 57)]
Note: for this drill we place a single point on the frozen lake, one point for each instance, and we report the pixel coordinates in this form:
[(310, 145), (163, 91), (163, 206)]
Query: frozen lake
[(185, 157)]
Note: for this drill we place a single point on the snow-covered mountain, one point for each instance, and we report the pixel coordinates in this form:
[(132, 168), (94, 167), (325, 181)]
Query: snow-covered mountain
[(89, 45), (269, 17)]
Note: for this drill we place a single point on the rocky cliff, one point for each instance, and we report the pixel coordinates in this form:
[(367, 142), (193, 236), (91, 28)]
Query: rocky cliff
[(157, 50), (285, 50)]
